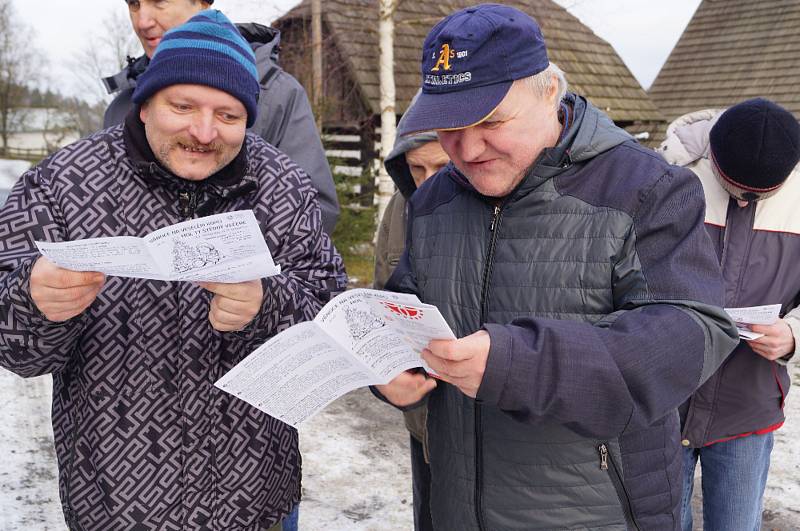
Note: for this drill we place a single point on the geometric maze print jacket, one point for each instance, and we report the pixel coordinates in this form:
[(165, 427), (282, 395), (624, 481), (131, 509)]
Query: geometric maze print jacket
[(144, 441)]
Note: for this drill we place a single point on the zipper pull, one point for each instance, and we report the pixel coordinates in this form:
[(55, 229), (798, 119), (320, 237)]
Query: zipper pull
[(186, 203), (494, 217), (603, 456)]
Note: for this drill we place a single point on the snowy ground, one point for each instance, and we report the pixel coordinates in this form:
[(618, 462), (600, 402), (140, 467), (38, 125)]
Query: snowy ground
[(356, 471)]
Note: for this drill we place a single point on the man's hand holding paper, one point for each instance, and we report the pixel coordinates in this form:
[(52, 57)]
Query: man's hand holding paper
[(61, 294), (460, 362), (767, 334), (407, 388), (777, 340), (233, 305)]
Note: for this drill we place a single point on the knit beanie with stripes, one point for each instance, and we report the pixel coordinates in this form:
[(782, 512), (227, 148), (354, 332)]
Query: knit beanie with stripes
[(206, 50)]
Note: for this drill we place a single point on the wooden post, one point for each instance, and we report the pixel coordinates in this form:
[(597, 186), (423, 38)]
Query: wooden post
[(316, 60)]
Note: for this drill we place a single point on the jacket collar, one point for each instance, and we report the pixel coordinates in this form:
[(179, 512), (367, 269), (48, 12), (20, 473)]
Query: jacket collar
[(126, 78)]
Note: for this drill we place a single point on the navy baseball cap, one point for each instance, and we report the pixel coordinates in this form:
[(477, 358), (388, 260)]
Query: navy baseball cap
[(469, 62)]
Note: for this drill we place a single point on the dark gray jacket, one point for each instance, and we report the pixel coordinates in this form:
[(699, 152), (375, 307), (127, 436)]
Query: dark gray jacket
[(284, 118), (759, 248), (597, 284)]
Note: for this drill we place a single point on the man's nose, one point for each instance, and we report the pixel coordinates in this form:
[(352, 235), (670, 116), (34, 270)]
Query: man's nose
[(470, 144), (144, 19), (203, 128)]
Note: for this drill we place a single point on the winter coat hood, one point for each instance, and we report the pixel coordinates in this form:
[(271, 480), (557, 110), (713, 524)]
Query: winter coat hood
[(396, 163), (687, 137)]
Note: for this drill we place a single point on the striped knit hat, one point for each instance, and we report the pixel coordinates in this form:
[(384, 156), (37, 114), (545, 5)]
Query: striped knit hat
[(206, 50)]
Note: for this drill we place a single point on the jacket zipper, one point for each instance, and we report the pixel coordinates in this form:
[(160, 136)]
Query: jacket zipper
[(607, 459), (493, 226), (187, 203), (726, 235)]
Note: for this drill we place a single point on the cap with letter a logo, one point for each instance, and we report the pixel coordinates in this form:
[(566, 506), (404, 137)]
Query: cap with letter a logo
[(469, 61)]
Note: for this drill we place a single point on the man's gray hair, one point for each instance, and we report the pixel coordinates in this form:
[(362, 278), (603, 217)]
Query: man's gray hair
[(540, 83)]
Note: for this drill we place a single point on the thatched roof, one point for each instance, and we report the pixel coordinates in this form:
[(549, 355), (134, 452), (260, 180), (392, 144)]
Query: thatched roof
[(592, 66), (733, 50)]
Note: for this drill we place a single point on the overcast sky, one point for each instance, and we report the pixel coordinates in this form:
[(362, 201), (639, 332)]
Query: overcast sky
[(642, 31)]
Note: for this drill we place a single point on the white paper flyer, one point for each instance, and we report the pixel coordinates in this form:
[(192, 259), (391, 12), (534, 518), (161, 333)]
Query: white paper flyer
[(225, 247), (362, 337)]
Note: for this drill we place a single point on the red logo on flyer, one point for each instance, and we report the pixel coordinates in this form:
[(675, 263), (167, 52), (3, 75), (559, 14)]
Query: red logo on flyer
[(407, 312)]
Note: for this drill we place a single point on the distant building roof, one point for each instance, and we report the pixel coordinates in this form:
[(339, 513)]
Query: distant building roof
[(592, 66), (733, 50)]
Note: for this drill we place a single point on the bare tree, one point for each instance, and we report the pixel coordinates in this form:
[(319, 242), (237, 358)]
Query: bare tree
[(106, 52), (18, 64), (385, 184)]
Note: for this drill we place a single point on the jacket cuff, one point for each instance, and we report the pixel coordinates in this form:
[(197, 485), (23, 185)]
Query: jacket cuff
[(498, 365), (20, 293)]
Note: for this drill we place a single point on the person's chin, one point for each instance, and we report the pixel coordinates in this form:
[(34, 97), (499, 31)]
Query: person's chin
[(194, 172), (490, 184), (150, 46)]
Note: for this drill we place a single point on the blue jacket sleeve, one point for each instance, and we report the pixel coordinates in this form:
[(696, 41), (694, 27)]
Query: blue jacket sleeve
[(285, 120), (30, 344), (635, 366)]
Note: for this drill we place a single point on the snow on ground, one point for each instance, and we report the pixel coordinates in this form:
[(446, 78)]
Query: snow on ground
[(782, 497), (356, 474), (10, 170), (28, 474), (356, 467)]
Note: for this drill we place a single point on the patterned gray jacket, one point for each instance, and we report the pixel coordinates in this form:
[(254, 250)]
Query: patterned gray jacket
[(144, 440)]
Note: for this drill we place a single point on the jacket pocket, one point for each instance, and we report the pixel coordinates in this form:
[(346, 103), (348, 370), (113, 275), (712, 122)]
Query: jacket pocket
[(607, 463)]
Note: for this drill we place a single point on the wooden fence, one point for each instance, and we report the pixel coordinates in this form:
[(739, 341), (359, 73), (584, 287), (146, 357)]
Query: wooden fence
[(31, 155)]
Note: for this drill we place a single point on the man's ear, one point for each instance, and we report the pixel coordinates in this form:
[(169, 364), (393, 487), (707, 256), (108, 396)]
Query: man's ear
[(552, 91), (143, 111)]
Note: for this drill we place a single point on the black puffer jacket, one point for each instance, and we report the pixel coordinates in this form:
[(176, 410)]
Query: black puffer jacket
[(144, 440), (596, 281)]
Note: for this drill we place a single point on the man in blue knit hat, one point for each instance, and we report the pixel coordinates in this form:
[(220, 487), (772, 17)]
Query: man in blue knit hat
[(144, 440), (285, 118), (573, 266)]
